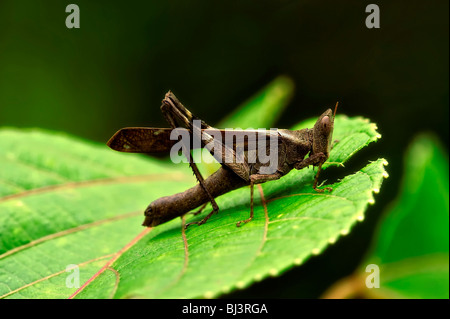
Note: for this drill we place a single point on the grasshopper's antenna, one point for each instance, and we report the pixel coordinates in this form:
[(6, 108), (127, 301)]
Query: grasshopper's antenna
[(335, 108)]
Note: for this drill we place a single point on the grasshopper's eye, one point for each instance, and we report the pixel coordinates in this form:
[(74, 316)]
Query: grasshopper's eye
[(326, 122)]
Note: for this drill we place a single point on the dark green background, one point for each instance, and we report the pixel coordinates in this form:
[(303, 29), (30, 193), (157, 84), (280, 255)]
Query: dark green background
[(115, 69)]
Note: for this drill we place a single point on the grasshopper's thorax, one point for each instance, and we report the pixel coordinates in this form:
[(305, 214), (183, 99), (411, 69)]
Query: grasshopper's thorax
[(297, 143)]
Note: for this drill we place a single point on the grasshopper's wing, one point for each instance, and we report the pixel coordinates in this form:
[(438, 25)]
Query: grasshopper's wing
[(150, 140), (234, 148), (142, 140), (229, 147), (146, 140)]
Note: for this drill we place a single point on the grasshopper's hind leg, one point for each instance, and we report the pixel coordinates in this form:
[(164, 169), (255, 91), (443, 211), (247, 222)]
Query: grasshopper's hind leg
[(175, 112)]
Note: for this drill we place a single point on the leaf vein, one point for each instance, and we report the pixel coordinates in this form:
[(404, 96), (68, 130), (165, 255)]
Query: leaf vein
[(100, 181), (66, 232), (51, 276)]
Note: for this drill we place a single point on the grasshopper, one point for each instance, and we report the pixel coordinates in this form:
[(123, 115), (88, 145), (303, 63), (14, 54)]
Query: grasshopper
[(236, 171)]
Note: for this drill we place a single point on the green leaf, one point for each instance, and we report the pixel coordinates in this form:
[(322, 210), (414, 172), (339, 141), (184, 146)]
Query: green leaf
[(409, 254), (413, 238), (291, 224), (66, 202)]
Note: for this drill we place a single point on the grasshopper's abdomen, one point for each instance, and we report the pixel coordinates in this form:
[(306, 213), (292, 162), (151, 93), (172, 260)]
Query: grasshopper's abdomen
[(167, 208)]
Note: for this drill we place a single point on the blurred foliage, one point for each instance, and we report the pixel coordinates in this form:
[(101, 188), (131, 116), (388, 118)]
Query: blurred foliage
[(412, 240), (416, 224)]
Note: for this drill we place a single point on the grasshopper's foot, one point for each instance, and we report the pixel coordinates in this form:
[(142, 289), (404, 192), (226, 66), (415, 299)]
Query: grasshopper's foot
[(322, 190), (198, 223), (201, 222), (238, 224), (199, 210)]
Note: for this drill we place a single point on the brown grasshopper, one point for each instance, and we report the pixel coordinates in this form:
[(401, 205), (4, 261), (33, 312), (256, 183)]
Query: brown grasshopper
[(291, 148)]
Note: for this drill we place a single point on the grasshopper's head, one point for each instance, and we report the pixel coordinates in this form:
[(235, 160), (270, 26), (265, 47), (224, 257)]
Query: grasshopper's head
[(323, 132)]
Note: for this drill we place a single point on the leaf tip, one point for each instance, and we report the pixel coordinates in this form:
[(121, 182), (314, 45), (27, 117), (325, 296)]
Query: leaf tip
[(240, 284), (332, 240), (273, 272), (208, 295), (297, 261), (226, 289), (258, 277)]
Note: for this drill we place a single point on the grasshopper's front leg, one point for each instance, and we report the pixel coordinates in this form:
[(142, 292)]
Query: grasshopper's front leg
[(257, 179), (315, 159)]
